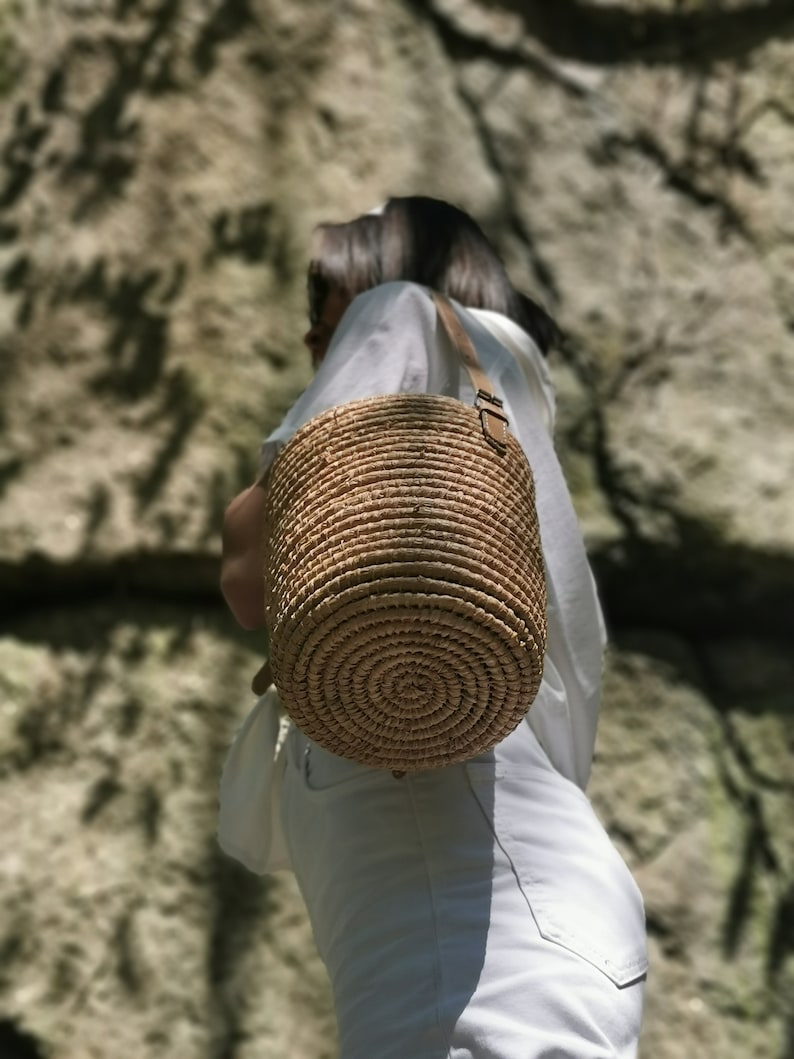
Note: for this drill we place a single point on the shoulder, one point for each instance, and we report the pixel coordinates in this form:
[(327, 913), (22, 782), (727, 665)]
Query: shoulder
[(386, 309), (397, 294)]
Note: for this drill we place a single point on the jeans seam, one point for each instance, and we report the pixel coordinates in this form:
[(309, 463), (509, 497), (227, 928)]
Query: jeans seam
[(445, 1037)]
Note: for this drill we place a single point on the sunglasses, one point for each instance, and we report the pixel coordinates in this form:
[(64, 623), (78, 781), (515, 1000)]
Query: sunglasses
[(317, 288)]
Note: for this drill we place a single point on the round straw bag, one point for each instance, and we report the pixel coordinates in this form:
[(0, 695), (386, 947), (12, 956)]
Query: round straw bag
[(405, 591)]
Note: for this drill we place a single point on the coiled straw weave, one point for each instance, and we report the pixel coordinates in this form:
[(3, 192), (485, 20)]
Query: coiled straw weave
[(405, 591)]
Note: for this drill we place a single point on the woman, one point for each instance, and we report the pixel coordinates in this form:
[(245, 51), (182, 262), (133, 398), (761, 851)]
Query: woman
[(477, 910)]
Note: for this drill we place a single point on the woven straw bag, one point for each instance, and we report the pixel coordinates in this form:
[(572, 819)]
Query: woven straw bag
[(405, 592)]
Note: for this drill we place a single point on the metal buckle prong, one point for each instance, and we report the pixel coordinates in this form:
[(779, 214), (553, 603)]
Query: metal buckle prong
[(491, 398)]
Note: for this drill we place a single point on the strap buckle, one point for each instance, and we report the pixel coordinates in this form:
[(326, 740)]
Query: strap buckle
[(493, 421)]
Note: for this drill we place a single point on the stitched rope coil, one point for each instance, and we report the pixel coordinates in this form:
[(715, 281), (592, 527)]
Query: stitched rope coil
[(405, 591)]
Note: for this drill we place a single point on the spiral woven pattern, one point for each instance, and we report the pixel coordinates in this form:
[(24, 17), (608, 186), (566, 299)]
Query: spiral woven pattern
[(405, 590)]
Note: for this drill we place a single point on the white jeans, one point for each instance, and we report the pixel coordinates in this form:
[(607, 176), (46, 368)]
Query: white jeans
[(474, 912)]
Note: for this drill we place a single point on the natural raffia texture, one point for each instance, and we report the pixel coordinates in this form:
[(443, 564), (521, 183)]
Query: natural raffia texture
[(405, 591)]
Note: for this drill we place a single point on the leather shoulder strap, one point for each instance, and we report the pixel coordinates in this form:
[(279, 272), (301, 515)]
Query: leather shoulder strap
[(492, 419)]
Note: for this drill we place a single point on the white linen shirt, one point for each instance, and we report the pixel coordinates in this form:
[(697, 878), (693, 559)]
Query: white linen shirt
[(390, 340)]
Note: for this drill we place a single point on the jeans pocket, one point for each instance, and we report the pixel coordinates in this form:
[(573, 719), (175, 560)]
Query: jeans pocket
[(323, 774), (580, 892)]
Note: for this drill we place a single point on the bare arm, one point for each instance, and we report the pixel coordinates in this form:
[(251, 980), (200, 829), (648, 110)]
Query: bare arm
[(242, 574)]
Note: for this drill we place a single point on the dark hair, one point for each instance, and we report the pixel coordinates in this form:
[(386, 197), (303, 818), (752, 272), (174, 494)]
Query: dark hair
[(345, 256), (422, 240)]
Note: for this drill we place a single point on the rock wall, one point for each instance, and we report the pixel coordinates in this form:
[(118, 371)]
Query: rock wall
[(162, 165)]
